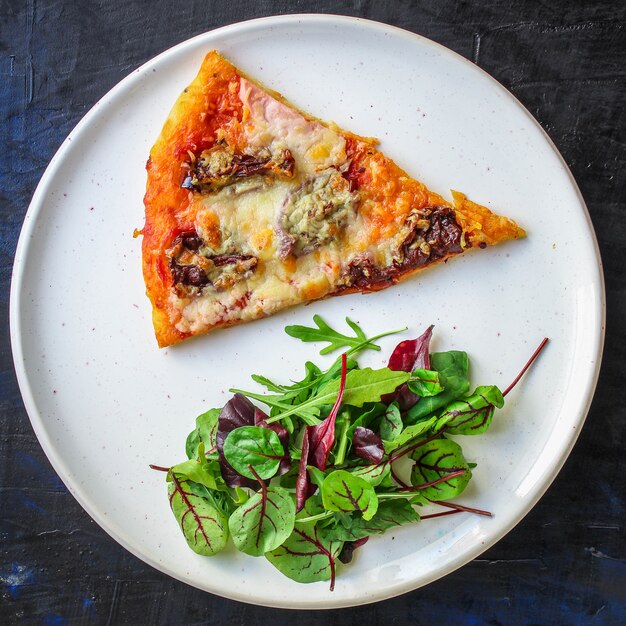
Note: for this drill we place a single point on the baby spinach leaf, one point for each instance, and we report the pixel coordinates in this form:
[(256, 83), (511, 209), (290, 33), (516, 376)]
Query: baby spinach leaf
[(390, 513), (325, 333), (435, 460), (367, 445), (283, 436), (307, 556), (409, 434), (425, 383), (471, 415), (204, 524), (453, 370), (341, 491), (391, 424), (263, 522), (254, 446)]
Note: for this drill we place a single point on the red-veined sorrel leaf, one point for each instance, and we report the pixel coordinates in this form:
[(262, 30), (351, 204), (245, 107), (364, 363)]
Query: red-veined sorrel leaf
[(203, 523), (407, 356), (435, 461), (263, 522), (373, 474), (307, 556), (322, 437), (253, 446), (237, 412), (342, 491), (390, 513), (391, 424), (425, 383), (367, 445), (471, 415)]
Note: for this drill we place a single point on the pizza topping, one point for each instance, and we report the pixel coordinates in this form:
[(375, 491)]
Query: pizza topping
[(220, 166), (432, 233), (315, 213), (194, 265)]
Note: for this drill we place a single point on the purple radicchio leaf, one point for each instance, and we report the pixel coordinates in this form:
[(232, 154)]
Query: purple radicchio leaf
[(283, 435), (237, 412), (367, 445), (407, 356), (347, 551)]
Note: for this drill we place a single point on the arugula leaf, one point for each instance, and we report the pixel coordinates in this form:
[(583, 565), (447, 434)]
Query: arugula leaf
[(435, 460), (453, 368), (307, 556), (342, 491), (254, 446), (362, 386), (390, 513), (425, 383), (471, 415), (391, 424), (325, 333), (263, 522), (204, 524)]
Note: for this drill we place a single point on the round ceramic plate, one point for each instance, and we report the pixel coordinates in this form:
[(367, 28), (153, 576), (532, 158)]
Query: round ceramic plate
[(105, 401)]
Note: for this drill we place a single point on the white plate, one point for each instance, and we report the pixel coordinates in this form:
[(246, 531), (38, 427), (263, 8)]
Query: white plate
[(105, 402)]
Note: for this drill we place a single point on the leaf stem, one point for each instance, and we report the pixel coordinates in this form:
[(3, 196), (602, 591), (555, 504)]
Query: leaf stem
[(528, 364), (439, 514), (315, 518), (159, 468), (432, 483), (460, 507), (413, 447)]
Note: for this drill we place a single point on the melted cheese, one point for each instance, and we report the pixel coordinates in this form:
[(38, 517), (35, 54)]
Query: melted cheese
[(249, 215)]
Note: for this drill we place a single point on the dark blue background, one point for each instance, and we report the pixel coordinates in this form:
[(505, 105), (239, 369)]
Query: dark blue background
[(564, 564)]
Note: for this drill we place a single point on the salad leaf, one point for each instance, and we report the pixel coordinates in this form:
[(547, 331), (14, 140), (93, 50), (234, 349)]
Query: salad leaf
[(367, 445), (425, 383), (325, 333), (435, 460), (206, 426), (409, 434), (390, 513), (375, 475), (237, 412), (263, 522), (453, 368), (200, 470), (391, 424), (254, 446), (471, 415), (307, 555), (204, 524), (407, 356), (342, 491)]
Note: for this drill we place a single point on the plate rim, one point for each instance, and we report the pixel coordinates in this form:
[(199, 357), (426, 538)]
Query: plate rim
[(548, 475)]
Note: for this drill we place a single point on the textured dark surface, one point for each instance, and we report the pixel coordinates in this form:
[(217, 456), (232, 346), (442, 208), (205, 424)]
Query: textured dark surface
[(565, 562)]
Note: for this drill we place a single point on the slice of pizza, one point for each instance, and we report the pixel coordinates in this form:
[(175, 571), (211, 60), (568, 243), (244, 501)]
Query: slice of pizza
[(253, 206)]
